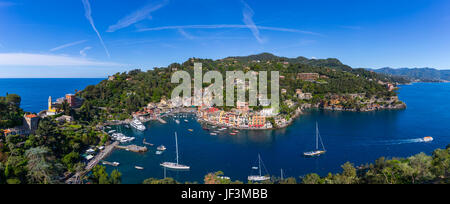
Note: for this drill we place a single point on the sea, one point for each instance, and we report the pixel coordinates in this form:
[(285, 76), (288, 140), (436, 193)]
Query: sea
[(359, 138)]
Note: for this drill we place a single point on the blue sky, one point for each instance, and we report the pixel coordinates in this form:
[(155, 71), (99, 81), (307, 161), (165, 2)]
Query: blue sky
[(96, 38)]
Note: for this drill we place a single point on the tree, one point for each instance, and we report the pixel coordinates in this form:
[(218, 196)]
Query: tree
[(116, 177), (70, 160), (421, 165), (41, 169), (99, 175), (312, 179), (13, 99), (159, 181)]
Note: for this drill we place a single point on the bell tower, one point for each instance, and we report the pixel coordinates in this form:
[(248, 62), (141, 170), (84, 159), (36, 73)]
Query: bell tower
[(49, 103)]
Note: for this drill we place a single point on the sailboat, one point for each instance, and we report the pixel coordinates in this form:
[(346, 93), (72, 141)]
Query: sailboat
[(316, 152), (172, 165), (259, 177)]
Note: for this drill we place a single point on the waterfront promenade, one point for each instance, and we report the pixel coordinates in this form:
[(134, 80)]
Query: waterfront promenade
[(77, 178)]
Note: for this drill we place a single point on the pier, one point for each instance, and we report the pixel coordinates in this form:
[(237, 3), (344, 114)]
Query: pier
[(133, 148), (146, 143), (162, 121)]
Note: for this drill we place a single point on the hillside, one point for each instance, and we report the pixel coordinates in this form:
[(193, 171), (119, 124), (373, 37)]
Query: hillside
[(125, 93), (10, 112), (418, 74)]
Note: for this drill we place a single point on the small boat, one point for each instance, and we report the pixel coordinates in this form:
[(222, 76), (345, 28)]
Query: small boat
[(161, 148), (146, 143), (316, 152), (236, 131), (112, 131), (213, 133), (127, 126), (177, 121), (111, 163), (159, 152), (428, 139), (233, 133), (190, 130), (139, 168), (259, 177), (172, 165), (186, 121)]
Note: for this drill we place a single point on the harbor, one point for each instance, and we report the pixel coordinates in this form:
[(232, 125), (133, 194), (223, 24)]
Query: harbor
[(347, 136)]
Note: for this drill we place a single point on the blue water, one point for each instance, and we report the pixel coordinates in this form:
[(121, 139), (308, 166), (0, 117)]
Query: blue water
[(35, 92), (355, 137)]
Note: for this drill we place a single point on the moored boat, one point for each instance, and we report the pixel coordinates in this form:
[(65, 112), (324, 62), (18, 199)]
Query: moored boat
[(161, 148), (138, 125), (318, 151), (177, 165), (260, 177)]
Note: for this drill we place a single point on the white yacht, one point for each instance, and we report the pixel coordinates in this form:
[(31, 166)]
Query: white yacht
[(259, 177), (318, 151), (176, 166), (138, 125), (121, 138)]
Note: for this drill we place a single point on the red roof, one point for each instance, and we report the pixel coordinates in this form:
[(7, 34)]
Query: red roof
[(31, 116)]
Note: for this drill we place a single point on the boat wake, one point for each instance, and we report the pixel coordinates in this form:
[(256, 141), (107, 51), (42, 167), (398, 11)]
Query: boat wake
[(403, 141)]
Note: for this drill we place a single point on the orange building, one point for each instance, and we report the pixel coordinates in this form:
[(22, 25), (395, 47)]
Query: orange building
[(257, 121)]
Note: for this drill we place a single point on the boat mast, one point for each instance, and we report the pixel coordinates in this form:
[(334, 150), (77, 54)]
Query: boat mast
[(176, 143), (259, 160), (282, 174), (317, 136)]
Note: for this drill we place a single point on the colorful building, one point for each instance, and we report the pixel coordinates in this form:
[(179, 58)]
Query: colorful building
[(51, 110), (257, 121)]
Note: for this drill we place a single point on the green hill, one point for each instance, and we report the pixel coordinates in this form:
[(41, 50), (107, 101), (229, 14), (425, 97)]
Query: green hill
[(418, 74), (128, 92)]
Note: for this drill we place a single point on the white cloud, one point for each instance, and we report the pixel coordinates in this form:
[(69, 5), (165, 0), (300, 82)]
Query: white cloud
[(136, 16), (223, 26), (88, 14), (248, 20), (185, 34), (28, 59), (67, 45), (84, 50)]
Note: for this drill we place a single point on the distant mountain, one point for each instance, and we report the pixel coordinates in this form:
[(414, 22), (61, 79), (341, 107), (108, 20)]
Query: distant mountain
[(417, 74)]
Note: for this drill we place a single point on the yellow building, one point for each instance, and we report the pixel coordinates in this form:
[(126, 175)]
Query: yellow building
[(50, 106)]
